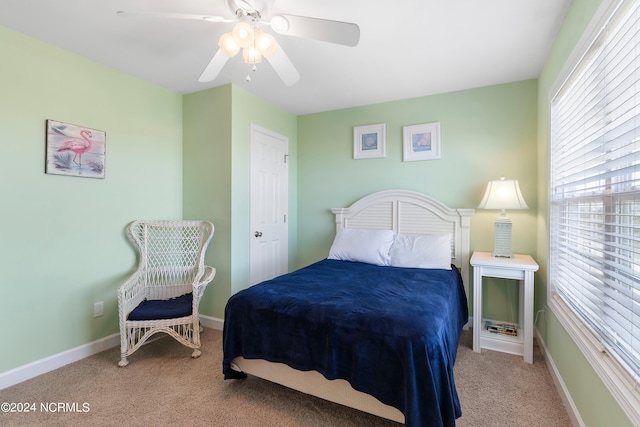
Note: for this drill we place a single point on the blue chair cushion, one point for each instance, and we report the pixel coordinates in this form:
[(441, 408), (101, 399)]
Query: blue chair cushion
[(163, 309)]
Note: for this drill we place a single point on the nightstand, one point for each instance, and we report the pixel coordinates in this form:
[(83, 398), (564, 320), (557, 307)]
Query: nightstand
[(521, 268)]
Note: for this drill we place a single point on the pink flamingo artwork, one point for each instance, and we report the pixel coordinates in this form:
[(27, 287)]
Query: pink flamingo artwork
[(78, 145)]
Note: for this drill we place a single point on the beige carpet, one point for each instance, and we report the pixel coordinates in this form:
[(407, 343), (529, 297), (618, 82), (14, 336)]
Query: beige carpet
[(163, 386)]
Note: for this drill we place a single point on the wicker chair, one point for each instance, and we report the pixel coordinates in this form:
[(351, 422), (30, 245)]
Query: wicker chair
[(164, 292)]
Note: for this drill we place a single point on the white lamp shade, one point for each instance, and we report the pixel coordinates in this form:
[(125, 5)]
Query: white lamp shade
[(243, 33), (228, 44), (251, 55), (265, 43), (503, 194)]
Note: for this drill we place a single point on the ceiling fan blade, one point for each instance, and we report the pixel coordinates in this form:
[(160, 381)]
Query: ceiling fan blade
[(284, 67), (344, 33), (168, 15), (214, 66)]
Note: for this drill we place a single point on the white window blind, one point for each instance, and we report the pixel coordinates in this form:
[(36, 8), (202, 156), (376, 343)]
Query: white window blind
[(595, 188)]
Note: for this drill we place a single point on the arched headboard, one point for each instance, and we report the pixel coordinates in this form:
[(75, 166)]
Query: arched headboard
[(410, 212)]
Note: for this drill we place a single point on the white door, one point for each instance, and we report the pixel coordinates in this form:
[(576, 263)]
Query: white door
[(269, 205)]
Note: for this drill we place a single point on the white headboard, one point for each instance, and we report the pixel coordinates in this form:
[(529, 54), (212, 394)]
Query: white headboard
[(410, 212)]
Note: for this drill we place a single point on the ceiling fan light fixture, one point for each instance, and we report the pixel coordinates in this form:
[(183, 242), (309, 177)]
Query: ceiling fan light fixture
[(265, 43), (252, 55), (243, 34), (228, 44)]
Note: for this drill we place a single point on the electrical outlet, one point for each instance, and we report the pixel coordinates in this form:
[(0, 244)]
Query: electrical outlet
[(98, 309)]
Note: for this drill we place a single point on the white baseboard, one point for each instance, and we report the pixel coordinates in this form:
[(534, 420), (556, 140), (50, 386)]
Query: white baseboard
[(42, 366), (211, 322), (572, 411), (468, 324)]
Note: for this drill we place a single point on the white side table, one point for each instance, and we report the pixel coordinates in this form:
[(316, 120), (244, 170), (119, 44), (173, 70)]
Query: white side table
[(521, 268)]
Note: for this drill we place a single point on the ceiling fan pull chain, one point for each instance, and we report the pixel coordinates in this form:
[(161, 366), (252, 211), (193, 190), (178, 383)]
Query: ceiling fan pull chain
[(254, 68)]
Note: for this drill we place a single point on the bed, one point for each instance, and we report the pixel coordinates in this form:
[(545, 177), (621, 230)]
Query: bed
[(380, 336)]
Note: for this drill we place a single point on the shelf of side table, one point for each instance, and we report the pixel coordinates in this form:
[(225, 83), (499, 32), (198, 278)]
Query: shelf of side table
[(521, 268)]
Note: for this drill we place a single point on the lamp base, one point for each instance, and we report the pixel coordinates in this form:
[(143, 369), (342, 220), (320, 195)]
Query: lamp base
[(502, 238)]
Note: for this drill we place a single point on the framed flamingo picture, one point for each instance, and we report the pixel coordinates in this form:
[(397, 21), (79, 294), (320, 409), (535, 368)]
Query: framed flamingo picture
[(75, 150)]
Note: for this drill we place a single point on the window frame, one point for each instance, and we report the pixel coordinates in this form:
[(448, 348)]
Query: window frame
[(624, 388)]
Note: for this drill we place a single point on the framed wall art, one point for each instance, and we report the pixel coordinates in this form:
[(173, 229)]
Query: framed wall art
[(421, 142), (369, 141), (75, 150)]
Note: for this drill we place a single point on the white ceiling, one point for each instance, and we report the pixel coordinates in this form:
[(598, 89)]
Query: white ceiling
[(408, 48)]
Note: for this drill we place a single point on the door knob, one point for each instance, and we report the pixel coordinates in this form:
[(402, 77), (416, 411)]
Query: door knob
[(258, 234)]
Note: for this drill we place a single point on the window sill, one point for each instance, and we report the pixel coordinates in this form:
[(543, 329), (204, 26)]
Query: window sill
[(622, 386)]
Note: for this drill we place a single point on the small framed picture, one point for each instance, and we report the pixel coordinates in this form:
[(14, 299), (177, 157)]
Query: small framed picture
[(421, 142), (369, 141), (75, 150)]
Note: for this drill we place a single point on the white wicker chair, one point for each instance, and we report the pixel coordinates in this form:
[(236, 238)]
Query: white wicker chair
[(164, 292)]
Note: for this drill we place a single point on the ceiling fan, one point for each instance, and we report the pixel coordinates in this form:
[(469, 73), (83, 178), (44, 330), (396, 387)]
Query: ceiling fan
[(257, 44)]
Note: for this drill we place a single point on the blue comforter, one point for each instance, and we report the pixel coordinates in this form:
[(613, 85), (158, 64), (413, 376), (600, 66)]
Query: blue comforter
[(390, 332)]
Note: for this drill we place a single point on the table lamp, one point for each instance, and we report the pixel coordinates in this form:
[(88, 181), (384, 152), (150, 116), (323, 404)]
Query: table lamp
[(503, 194)]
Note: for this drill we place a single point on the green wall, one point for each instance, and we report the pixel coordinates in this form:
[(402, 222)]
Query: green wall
[(592, 399), (207, 164), (485, 133), (62, 241), (216, 133), (168, 156)]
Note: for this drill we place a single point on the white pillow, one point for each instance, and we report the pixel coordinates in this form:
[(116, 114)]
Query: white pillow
[(421, 251), (369, 246)]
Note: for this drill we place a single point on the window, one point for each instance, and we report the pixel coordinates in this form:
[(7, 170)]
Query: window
[(595, 188)]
